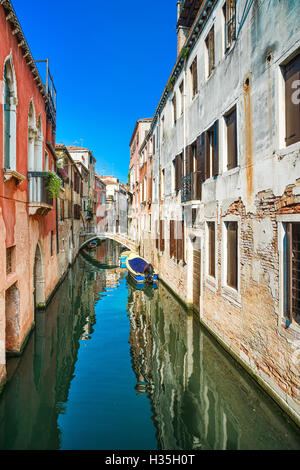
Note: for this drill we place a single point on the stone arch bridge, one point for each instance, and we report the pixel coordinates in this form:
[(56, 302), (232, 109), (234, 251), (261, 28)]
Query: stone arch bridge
[(86, 238)]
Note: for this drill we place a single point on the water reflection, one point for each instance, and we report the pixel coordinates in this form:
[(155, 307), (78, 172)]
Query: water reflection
[(200, 399), (176, 388)]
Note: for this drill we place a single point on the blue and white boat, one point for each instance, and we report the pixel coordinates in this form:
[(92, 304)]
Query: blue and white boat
[(136, 267)]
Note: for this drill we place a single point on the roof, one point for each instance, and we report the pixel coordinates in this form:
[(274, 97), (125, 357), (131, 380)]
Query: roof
[(77, 149), (135, 127), (65, 149), (23, 45)]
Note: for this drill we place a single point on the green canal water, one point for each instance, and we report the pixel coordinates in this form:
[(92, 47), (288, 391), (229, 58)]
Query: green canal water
[(112, 367)]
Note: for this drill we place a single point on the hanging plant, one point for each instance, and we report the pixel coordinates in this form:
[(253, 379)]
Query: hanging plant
[(54, 184), (184, 52)]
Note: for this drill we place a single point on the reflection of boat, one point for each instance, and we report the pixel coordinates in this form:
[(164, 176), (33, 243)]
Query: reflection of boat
[(123, 257), (136, 266), (142, 286)]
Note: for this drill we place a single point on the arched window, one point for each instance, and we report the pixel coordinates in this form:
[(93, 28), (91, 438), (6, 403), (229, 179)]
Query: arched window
[(31, 136), (38, 146), (9, 118)]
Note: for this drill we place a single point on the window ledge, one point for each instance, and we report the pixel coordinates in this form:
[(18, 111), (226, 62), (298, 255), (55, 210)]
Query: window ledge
[(211, 283), (281, 153), (232, 171), (232, 295), (8, 174)]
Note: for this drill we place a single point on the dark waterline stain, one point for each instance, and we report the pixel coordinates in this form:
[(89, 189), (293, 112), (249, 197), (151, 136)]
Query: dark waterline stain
[(113, 367)]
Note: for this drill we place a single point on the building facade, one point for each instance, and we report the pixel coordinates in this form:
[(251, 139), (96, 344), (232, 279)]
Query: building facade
[(137, 168), (226, 173), (28, 228), (69, 209), (85, 160), (100, 204)]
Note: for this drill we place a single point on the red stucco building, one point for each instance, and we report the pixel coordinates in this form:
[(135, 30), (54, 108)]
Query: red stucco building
[(28, 225)]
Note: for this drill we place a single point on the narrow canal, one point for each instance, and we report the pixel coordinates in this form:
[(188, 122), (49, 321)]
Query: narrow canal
[(112, 367)]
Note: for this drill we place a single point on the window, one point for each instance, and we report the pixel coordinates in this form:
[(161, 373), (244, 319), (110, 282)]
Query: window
[(229, 11), (153, 144), (232, 254), (292, 271), (162, 235), (163, 183), (211, 152), (210, 47), (178, 166), (10, 260), (177, 239), (163, 127), (194, 77), (51, 242), (211, 249), (190, 159), (292, 101), (62, 209), (9, 117), (174, 108), (231, 135), (181, 98)]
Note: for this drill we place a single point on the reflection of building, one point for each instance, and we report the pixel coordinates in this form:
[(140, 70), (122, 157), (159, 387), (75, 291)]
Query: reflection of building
[(199, 398), (140, 339)]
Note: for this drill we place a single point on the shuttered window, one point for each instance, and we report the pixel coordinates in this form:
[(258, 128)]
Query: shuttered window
[(181, 98), (292, 101), (231, 129), (162, 235), (212, 152), (292, 271), (232, 254), (178, 168), (200, 165), (62, 209), (174, 108), (229, 10), (194, 77), (172, 239), (180, 240), (210, 45), (211, 249)]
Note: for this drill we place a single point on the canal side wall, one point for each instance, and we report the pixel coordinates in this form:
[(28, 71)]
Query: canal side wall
[(261, 194)]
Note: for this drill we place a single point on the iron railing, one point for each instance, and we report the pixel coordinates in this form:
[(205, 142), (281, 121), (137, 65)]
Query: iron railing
[(38, 188), (191, 187)]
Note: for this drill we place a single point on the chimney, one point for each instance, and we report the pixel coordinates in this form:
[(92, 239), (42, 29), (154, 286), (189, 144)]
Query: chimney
[(182, 31)]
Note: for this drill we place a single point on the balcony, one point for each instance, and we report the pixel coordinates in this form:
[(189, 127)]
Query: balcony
[(40, 202), (88, 214), (188, 11), (191, 187)]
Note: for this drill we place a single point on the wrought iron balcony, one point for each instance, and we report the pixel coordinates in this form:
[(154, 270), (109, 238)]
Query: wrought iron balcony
[(88, 214), (40, 201), (191, 187)]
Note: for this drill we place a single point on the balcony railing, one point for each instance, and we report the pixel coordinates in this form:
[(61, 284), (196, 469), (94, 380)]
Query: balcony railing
[(191, 187), (40, 201)]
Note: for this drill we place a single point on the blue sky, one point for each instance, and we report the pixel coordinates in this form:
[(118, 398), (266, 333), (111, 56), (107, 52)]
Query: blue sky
[(110, 61)]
